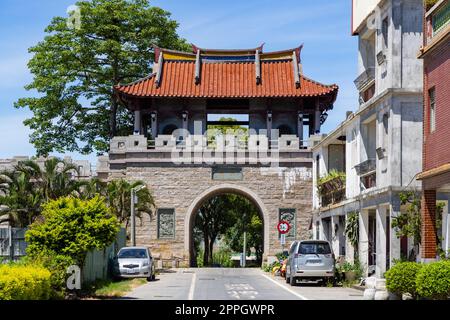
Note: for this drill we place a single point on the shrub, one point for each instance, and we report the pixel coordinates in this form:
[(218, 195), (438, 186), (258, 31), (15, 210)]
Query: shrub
[(72, 227), (57, 265), (433, 280), (223, 258), (401, 278), (21, 282)]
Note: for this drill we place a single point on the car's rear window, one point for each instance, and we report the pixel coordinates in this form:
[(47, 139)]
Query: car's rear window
[(314, 248), (133, 253)]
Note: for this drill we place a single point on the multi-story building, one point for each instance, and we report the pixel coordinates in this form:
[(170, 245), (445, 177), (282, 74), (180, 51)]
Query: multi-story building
[(378, 147), (436, 130)]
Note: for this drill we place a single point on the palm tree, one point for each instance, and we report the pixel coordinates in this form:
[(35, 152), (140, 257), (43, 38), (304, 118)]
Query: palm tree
[(20, 200), (26, 187), (118, 197), (56, 179), (90, 188)]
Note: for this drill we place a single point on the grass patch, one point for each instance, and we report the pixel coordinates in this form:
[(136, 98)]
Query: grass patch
[(114, 289)]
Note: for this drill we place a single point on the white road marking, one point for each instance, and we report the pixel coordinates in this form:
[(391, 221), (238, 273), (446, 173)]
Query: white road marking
[(241, 291), (286, 288), (192, 288)]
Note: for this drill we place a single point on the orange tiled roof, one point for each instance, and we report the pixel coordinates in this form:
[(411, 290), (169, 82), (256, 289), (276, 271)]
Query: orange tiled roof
[(227, 80)]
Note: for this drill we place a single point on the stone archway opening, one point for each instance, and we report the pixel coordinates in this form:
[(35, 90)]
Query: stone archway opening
[(248, 215)]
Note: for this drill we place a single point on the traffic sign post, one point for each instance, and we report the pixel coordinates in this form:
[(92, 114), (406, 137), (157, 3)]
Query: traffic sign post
[(283, 228)]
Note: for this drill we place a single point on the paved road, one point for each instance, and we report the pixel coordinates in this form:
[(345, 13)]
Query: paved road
[(233, 284)]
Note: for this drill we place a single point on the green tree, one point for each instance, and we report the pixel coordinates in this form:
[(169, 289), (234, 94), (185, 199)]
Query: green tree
[(118, 198), (75, 69), (248, 220), (20, 201), (24, 188), (56, 179), (240, 132), (72, 227), (213, 219), (408, 223)]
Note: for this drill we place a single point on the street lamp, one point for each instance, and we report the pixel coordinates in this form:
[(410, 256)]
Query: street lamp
[(134, 201)]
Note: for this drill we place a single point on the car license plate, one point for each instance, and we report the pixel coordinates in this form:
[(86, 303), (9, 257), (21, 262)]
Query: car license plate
[(131, 271), (314, 261)]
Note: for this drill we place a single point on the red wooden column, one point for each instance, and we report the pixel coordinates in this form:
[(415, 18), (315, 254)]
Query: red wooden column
[(428, 224)]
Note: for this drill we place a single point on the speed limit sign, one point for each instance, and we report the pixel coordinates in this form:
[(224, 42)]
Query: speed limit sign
[(283, 227)]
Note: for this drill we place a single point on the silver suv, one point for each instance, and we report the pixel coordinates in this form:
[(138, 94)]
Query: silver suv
[(134, 262), (310, 260)]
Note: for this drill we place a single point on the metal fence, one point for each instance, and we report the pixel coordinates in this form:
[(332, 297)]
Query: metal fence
[(12, 243), (98, 264)]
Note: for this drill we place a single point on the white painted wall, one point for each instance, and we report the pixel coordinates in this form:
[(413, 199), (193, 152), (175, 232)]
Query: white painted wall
[(361, 9)]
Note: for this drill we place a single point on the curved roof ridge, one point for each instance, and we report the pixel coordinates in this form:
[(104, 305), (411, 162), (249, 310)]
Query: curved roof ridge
[(334, 85)]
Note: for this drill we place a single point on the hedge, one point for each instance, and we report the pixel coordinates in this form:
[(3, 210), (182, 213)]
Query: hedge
[(19, 282), (401, 278), (433, 280)]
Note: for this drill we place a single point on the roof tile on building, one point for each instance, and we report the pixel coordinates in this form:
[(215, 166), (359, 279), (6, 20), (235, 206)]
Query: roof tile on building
[(227, 80)]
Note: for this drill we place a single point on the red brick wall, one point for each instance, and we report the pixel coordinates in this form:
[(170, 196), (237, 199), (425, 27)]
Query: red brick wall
[(436, 147), (428, 224)]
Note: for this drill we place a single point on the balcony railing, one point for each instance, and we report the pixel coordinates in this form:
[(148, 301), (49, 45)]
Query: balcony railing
[(168, 143), (438, 18), (365, 78), (332, 188), (366, 167)]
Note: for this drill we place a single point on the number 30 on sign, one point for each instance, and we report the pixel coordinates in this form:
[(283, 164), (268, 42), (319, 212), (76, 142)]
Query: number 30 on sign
[(283, 227)]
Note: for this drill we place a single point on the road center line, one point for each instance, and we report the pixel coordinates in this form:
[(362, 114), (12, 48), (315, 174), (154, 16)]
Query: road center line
[(285, 288), (192, 288)]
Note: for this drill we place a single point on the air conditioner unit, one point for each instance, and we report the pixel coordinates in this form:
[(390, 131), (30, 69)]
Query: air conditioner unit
[(381, 152), (381, 57)]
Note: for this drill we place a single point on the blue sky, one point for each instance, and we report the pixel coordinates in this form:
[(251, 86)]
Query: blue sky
[(323, 26)]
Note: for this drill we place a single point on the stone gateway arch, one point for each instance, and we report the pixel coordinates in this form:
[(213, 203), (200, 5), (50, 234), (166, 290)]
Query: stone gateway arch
[(188, 94)]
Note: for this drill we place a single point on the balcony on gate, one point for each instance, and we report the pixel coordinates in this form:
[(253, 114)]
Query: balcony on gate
[(367, 171), (437, 20)]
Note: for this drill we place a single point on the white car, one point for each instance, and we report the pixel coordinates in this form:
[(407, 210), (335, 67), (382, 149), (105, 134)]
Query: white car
[(134, 262)]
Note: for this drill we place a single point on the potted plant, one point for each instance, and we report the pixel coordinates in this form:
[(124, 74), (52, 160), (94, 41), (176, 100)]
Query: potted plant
[(348, 271)]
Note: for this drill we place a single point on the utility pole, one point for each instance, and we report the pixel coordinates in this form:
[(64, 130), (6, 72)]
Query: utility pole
[(245, 249), (133, 220)]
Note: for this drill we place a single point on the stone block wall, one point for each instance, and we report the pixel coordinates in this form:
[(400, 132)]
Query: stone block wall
[(184, 188)]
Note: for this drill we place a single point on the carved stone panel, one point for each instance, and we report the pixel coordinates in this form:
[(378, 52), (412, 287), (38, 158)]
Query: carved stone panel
[(166, 223)]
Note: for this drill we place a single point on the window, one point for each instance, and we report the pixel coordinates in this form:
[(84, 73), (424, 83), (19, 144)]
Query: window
[(384, 31), (432, 99), (166, 223), (314, 248), (132, 254)]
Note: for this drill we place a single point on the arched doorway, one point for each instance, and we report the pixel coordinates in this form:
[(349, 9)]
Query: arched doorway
[(216, 191)]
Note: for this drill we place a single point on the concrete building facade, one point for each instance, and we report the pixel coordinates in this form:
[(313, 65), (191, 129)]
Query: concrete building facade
[(378, 147)]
